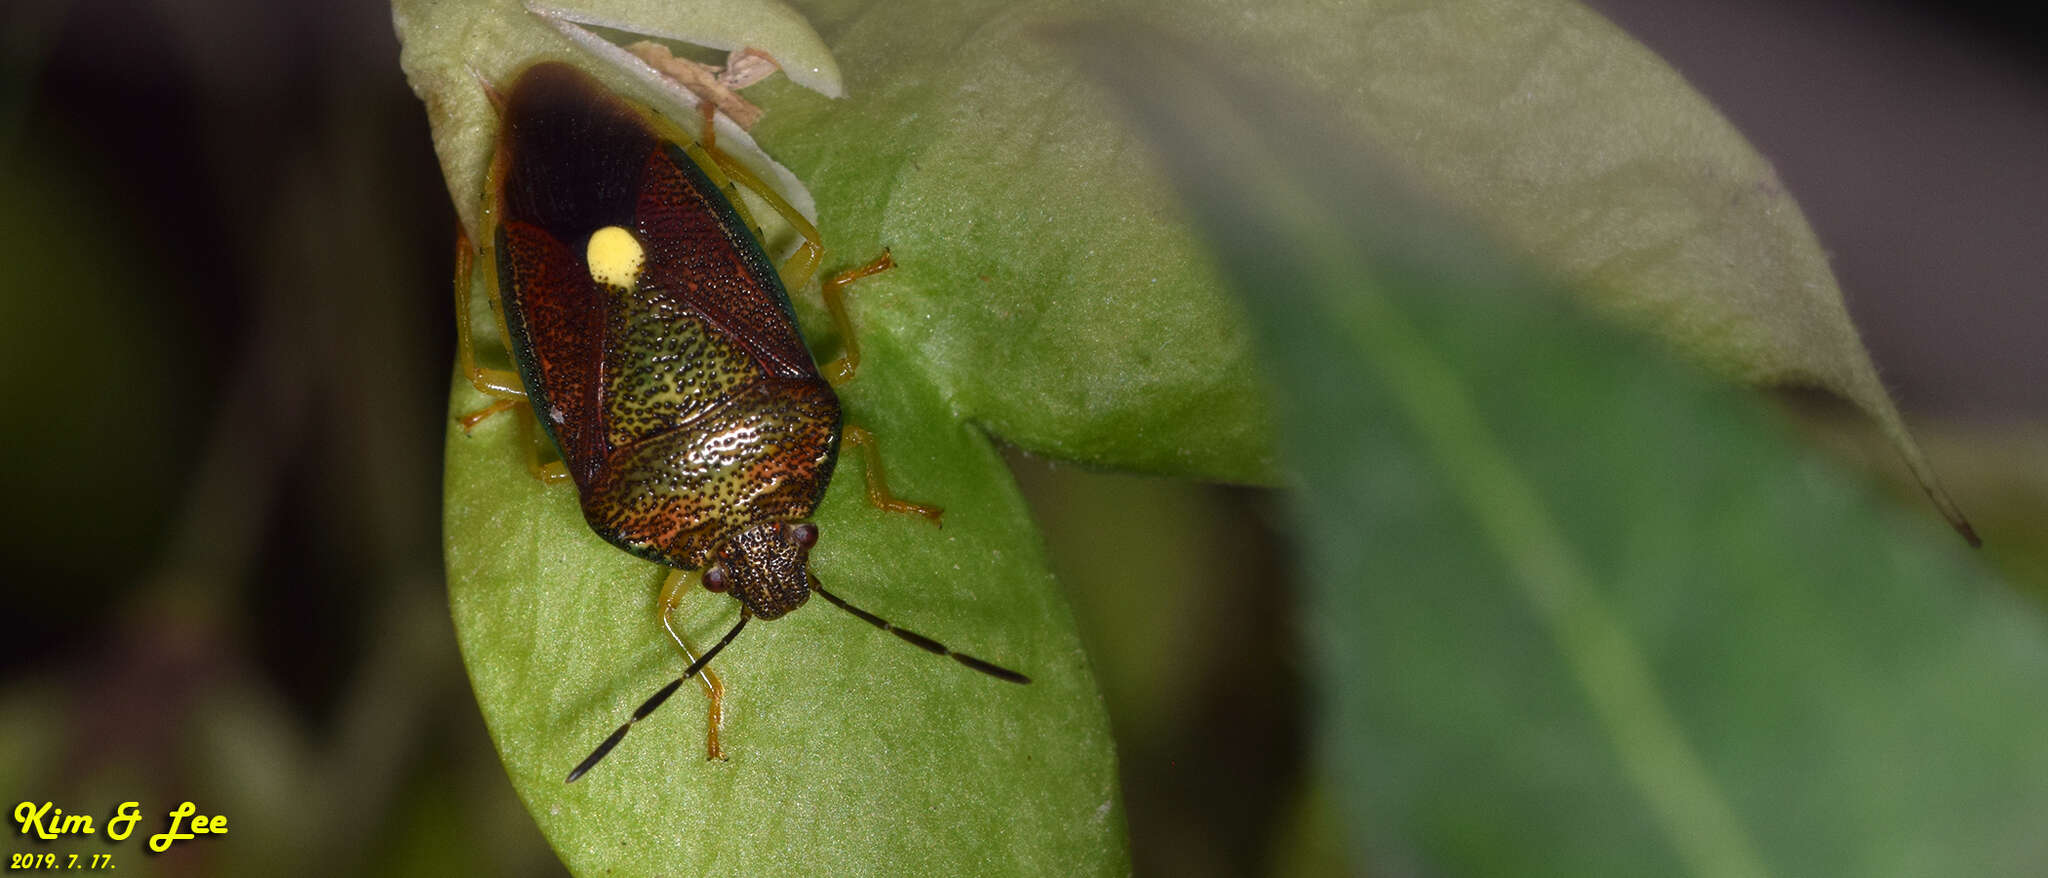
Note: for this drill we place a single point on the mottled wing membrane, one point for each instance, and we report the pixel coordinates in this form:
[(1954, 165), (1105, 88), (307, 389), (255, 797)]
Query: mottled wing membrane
[(703, 254)]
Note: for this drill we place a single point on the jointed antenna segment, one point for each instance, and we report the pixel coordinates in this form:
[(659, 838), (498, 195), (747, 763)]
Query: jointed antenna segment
[(922, 642), (654, 701)]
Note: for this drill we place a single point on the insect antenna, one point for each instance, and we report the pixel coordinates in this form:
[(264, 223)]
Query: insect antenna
[(922, 642), (653, 702)]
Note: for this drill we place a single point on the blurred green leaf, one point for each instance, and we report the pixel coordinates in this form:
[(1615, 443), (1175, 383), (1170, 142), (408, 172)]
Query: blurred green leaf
[(2001, 467), (1576, 610)]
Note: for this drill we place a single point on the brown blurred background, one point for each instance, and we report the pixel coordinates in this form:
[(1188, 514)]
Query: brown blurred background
[(224, 349)]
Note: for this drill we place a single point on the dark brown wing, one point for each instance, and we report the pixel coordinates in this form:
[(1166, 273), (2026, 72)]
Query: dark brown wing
[(569, 163), (573, 159), (701, 253), (556, 317)]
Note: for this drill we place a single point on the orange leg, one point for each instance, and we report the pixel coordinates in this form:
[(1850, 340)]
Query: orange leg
[(802, 264), (469, 421), (501, 384), (547, 471), (841, 370), (672, 588), (878, 481), (537, 464)]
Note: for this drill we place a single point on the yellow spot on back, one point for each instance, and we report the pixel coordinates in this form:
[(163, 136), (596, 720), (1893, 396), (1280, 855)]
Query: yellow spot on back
[(614, 257)]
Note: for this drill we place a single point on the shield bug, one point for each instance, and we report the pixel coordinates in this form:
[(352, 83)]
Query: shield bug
[(655, 341)]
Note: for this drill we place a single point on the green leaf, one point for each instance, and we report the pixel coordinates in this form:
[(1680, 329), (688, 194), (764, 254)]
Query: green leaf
[(850, 752), (1047, 280), (1577, 610)]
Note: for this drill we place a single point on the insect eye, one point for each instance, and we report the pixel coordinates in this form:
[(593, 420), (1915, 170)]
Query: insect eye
[(806, 534), (714, 579)]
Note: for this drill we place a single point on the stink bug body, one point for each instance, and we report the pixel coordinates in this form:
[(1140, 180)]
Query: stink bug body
[(655, 341)]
